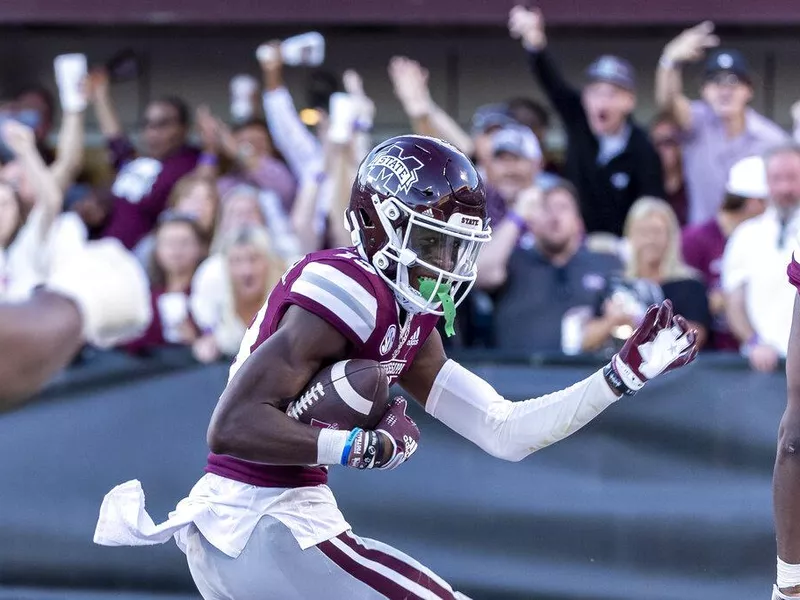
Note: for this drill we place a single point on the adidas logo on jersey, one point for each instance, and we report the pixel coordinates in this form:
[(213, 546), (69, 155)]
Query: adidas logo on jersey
[(414, 338)]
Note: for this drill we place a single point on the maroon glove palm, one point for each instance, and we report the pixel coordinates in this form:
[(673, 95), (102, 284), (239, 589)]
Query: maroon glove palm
[(394, 440), (662, 342)]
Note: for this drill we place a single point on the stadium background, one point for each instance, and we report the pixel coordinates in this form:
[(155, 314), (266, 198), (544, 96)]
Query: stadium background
[(666, 497)]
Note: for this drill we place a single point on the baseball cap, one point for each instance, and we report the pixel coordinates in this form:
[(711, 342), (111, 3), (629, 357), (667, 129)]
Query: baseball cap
[(614, 70), (489, 116), (726, 61), (518, 140), (748, 178)]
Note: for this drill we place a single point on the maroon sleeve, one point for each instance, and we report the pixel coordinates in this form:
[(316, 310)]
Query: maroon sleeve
[(121, 151)]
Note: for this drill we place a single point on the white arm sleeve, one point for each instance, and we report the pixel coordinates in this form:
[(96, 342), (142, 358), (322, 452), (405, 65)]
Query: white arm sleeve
[(512, 430)]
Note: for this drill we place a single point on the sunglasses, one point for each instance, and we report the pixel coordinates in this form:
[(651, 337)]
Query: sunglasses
[(667, 142), (158, 123)]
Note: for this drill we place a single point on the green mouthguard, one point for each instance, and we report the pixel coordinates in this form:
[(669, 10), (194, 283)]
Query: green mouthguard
[(427, 287)]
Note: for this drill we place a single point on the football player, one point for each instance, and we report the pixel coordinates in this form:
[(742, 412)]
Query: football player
[(262, 523), (786, 479), (97, 294)]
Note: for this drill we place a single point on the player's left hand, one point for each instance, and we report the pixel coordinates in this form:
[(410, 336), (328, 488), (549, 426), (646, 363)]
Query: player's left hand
[(661, 343), (402, 432)]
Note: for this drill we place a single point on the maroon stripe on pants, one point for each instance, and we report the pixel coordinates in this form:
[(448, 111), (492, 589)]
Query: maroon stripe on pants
[(376, 581), (396, 564)]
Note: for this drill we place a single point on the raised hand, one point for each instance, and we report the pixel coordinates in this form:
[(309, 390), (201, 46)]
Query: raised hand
[(527, 25), (692, 43), (410, 81)]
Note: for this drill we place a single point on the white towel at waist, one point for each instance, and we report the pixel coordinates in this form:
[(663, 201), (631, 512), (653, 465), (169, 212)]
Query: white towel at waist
[(225, 512)]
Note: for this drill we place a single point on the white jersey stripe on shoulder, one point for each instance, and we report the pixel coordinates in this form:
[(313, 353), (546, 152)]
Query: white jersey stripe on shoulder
[(346, 391), (390, 574), (362, 328), (350, 288)]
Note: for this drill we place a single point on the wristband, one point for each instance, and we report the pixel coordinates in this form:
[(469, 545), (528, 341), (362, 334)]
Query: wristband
[(207, 160), (517, 220), (748, 346), (348, 445), (331, 446), (666, 62), (615, 381)]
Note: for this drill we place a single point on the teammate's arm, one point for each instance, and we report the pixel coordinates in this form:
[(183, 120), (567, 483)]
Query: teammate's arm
[(786, 479), (513, 430)]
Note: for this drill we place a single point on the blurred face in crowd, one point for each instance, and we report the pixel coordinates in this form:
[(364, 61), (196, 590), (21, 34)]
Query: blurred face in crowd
[(92, 209), (38, 103), (162, 131), (727, 95), (510, 174), (253, 140), (483, 146), (178, 250), (10, 215), (665, 136), (649, 238), (557, 224), (783, 179), (607, 107), (199, 201), (249, 269), (240, 209), (14, 174)]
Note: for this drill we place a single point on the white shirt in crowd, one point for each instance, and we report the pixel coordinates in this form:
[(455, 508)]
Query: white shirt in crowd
[(26, 261), (211, 305), (756, 257)]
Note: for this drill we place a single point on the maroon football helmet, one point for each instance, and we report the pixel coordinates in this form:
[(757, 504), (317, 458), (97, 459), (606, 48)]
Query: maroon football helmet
[(418, 210)]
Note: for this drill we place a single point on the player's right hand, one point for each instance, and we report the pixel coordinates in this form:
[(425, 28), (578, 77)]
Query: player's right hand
[(779, 595), (392, 442)]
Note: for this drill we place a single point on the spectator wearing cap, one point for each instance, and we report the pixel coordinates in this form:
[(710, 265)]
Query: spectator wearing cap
[(759, 304), (704, 244), (540, 284), (410, 82), (143, 183), (609, 157), (515, 161), (719, 129)]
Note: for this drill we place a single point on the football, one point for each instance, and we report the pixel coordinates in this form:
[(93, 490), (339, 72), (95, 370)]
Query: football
[(347, 394)]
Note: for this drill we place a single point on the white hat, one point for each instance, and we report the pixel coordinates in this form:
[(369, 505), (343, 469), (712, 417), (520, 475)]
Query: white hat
[(518, 140), (748, 178)]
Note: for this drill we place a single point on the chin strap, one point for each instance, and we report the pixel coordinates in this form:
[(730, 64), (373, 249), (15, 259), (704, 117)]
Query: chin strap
[(426, 288)]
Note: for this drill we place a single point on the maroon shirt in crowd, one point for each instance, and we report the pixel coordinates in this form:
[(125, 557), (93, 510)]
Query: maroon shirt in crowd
[(703, 247), (141, 189)]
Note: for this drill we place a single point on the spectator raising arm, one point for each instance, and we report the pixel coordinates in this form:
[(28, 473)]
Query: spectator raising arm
[(48, 195), (100, 96), (528, 26), (410, 82), (689, 46), (302, 151), (72, 91)]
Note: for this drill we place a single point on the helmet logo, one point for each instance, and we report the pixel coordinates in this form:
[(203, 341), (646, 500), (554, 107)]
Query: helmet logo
[(392, 173)]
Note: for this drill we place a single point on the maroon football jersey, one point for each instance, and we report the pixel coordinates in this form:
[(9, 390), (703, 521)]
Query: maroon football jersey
[(344, 289)]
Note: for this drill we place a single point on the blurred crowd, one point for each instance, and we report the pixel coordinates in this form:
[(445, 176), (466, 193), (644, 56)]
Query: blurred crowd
[(699, 206)]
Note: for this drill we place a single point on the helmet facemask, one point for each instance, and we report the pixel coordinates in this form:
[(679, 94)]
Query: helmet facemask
[(441, 256)]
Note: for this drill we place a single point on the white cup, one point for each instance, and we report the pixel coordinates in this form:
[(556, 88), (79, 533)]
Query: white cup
[(173, 308), (70, 71)]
